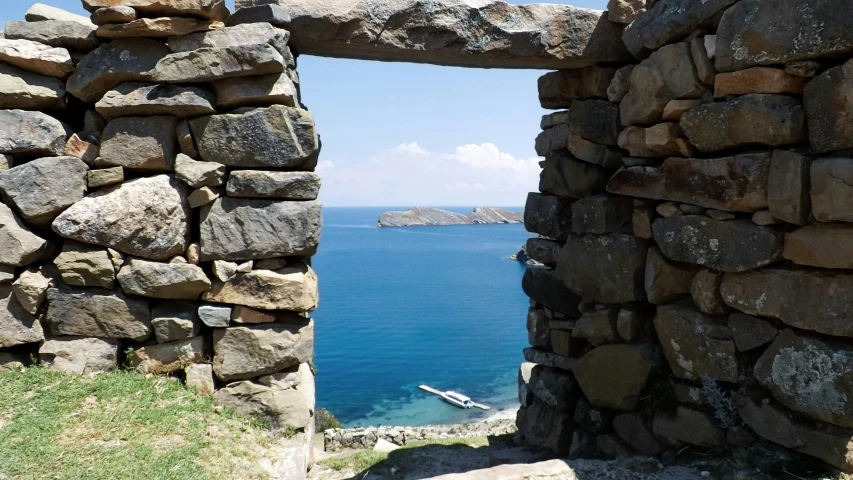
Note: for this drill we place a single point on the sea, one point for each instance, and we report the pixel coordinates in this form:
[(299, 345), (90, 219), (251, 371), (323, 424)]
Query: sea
[(402, 307)]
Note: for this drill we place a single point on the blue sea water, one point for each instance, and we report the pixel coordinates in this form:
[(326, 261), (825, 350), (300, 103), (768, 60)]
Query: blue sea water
[(400, 307)]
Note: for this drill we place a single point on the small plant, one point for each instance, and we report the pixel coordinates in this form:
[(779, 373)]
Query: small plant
[(325, 420), (724, 409)]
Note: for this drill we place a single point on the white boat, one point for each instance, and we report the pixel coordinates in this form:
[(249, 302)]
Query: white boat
[(454, 398)]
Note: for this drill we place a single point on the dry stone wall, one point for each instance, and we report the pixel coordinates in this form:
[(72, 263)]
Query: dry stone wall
[(694, 210), (159, 205)]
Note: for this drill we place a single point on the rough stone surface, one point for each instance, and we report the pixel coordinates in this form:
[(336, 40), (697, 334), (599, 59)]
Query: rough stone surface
[(668, 21), (696, 344), (620, 84), (143, 99), (607, 268), (208, 64), (185, 140), (175, 321), (215, 316), (71, 35), (43, 188), (79, 355), (200, 377), (82, 149), (162, 27), (40, 12), (162, 280), (565, 176), (167, 357), (832, 189), (265, 184), (737, 183), (104, 177), (612, 376), (595, 120), (241, 314), (552, 140), (117, 14), (826, 102), (777, 425), (203, 196), (748, 121), (689, 426), (749, 33), (602, 214), (543, 250), (31, 288), (293, 288), (751, 332), (94, 312), (146, 217), (211, 9), (625, 11), (519, 36), (199, 174), (593, 153), (546, 288), (17, 326), (556, 388), (277, 136), (758, 80), (114, 63), (559, 89), (85, 266), (820, 246), (811, 300), (631, 428), (729, 246), (240, 35), (18, 245), (31, 91), (31, 134), (788, 186), (705, 291), (146, 143), (669, 74), (538, 330), (36, 57), (259, 91), (285, 399), (248, 351), (597, 327), (273, 14), (666, 280), (545, 427), (548, 216)]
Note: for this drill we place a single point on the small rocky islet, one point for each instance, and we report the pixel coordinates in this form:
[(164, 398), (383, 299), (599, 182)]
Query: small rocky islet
[(427, 216)]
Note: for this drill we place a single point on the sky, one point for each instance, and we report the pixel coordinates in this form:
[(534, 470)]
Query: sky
[(397, 134)]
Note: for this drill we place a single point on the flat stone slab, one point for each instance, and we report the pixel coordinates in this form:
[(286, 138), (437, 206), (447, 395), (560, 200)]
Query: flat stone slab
[(211, 9), (463, 33)]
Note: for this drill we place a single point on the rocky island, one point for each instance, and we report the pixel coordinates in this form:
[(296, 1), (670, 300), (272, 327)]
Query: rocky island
[(423, 216)]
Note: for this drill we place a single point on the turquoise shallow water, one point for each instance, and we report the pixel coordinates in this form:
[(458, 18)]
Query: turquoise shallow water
[(399, 307)]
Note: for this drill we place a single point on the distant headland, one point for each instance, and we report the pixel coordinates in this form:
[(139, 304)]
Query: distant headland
[(424, 216)]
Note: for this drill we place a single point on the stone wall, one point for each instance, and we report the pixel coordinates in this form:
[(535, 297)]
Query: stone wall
[(694, 208), (159, 202), (340, 439)]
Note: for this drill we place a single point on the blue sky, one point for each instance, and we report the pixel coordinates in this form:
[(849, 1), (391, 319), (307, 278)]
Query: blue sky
[(404, 134)]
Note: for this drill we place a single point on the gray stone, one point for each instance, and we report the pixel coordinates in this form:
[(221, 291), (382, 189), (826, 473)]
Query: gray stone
[(94, 312), (749, 33), (606, 268), (277, 136), (631, 428), (597, 327), (167, 357), (240, 35), (93, 124), (71, 35), (82, 149), (18, 245), (559, 89), (675, 109), (751, 332), (208, 64), (40, 12), (825, 246), (31, 91), (7, 273), (565, 176), (668, 21), (544, 287), (595, 120), (36, 57), (729, 246), (641, 222), (803, 68), (525, 36), (612, 376), (629, 323), (31, 288), (543, 250), (820, 301), (776, 424), (203, 196), (40, 190), (114, 63), (747, 121), (200, 378), (176, 320), (146, 143), (144, 99), (260, 91), (104, 177), (162, 280), (689, 426), (223, 270), (246, 229), (788, 184), (549, 359), (210, 9), (593, 153), (161, 27), (538, 330), (265, 184), (556, 388), (17, 326), (625, 11), (249, 351), (553, 119), (826, 102), (666, 280), (273, 14), (737, 183), (545, 427), (758, 80), (79, 355), (117, 14), (602, 214), (199, 174), (552, 140), (215, 316), (705, 291), (669, 74), (832, 189), (146, 217), (185, 139), (621, 84), (85, 266), (696, 344), (292, 288), (705, 66), (243, 314)]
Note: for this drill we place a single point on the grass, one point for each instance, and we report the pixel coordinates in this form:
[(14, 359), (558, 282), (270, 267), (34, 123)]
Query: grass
[(364, 460), (121, 425)]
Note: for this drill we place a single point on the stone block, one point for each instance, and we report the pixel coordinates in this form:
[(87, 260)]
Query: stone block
[(72, 35), (210, 9), (751, 332), (827, 246), (18, 245), (177, 320), (705, 290), (167, 357), (135, 99), (266, 184), (696, 344), (602, 214), (689, 426), (251, 350), (147, 143), (612, 376), (668, 21), (606, 268), (94, 312), (41, 189), (114, 63), (548, 216), (162, 280), (292, 288), (595, 120), (17, 325), (543, 250), (832, 189), (161, 27), (565, 176), (556, 388), (758, 80), (559, 89), (545, 288), (85, 266), (79, 355), (788, 187), (666, 280), (597, 327)]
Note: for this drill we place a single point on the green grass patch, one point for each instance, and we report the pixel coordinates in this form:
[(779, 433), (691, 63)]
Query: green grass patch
[(121, 425)]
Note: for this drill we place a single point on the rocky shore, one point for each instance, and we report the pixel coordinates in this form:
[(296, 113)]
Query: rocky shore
[(427, 216)]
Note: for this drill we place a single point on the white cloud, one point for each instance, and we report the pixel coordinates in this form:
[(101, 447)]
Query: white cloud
[(409, 175)]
